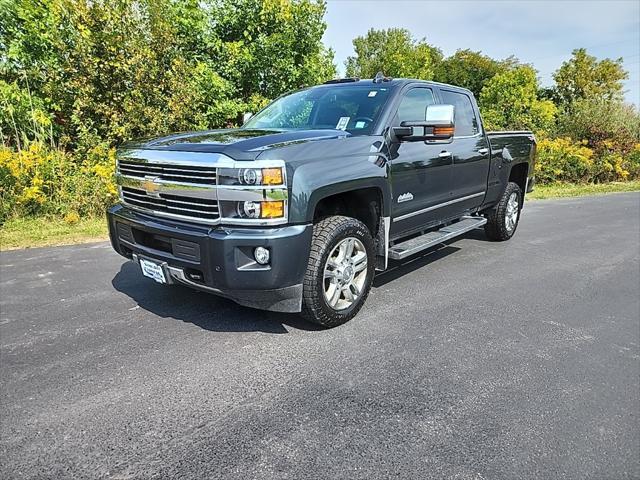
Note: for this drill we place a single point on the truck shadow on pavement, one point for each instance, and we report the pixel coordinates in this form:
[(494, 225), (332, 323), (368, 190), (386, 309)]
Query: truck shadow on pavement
[(218, 314), (205, 310), (397, 269)]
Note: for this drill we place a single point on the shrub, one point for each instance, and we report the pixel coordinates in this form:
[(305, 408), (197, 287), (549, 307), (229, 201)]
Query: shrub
[(563, 160), (632, 162), (604, 125), (40, 180), (611, 165)]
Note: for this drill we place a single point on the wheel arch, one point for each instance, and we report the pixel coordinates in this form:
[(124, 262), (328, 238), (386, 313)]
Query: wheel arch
[(365, 202), (518, 175)]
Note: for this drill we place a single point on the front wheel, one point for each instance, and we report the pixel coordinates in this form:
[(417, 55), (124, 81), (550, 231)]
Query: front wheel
[(502, 220), (340, 271)]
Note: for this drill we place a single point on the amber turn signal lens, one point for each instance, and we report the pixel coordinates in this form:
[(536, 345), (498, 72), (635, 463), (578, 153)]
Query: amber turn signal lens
[(272, 176), (272, 209), (443, 131)]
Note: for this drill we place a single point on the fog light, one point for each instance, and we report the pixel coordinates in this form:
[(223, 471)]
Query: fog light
[(262, 255)]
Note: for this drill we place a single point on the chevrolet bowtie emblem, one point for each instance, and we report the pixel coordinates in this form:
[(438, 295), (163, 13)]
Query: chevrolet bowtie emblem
[(151, 186)]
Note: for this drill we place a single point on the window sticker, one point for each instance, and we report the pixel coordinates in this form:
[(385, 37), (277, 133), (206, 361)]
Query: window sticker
[(342, 123), (373, 93), (360, 124)]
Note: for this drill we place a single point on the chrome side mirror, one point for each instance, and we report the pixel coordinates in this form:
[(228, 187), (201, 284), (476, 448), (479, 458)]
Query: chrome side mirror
[(440, 115)]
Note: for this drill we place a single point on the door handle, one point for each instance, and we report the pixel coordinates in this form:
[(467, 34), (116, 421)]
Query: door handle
[(444, 154), (483, 151)]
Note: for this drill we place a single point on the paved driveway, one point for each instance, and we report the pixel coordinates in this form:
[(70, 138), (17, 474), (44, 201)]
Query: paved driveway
[(478, 360)]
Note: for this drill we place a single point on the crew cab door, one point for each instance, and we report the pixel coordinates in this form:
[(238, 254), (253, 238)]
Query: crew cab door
[(420, 171), (469, 150)]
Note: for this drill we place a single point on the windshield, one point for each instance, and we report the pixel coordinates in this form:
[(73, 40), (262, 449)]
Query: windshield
[(351, 108)]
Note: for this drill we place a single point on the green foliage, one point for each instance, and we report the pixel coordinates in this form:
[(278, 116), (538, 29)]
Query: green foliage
[(40, 180), (270, 46), (393, 52), (510, 101), (113, 70), (583, 76), (565, 160), (598, 122), (22, 116), (632, 160), (471, 70)]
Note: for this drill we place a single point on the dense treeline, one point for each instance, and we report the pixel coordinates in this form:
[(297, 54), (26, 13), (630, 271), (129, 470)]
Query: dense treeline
[(77, 77), (82, 72)]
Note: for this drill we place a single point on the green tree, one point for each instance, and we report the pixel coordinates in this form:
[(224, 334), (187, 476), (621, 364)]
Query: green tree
[(112, 70), (583, 76), (393, 52), (270, 46), (510, 101), (471, 70)]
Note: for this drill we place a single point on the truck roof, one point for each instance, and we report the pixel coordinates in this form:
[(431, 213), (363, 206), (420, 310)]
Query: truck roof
[(392, 82)]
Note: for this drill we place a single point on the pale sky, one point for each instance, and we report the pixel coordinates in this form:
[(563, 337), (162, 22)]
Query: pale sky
[(542, 32)]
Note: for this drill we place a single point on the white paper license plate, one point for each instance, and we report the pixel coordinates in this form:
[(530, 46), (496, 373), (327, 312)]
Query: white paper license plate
[(152, 270)]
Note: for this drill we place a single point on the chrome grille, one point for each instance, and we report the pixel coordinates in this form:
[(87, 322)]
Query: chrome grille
[(192, 207), (167, 172)]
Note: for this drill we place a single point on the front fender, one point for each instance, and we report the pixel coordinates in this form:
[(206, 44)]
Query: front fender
[(316, 170), (313, 182)]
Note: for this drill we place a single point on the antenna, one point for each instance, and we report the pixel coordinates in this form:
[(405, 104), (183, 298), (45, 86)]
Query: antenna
[(380, 77)]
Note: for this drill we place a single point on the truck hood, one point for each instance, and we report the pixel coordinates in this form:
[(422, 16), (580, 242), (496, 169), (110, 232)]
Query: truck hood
[(238, 143)]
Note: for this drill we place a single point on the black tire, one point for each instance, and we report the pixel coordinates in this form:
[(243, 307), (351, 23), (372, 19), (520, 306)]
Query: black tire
[(327, 234), (496, 226)]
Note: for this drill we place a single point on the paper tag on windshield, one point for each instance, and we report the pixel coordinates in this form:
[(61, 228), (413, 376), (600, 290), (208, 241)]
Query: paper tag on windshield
[(360, 124), (342, 123), (373, 93)]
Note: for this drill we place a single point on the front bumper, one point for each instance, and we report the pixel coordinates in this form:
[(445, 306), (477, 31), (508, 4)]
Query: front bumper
[(219, 259)]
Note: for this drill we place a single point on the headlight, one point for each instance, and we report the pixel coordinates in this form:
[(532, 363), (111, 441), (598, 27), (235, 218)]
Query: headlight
[(253, 193), (249, 209), (264, 210), (251, 176)]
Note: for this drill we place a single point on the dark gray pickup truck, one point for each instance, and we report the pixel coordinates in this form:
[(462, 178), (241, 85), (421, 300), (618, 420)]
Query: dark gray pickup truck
[(297, 209)]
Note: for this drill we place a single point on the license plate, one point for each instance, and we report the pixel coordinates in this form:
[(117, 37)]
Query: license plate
[(152, 270)]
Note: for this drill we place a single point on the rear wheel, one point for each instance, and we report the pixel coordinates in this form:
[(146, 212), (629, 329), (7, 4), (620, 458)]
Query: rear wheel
[(340, 271), (502, 220)]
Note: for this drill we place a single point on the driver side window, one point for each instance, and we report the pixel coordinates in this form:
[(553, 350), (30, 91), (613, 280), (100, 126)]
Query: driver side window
[(413, 106)]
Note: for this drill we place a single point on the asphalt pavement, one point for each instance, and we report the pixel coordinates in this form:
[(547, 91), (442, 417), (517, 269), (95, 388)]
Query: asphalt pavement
[(476, 360)]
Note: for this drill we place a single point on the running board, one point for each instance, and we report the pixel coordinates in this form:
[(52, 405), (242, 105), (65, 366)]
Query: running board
[(402, 250)]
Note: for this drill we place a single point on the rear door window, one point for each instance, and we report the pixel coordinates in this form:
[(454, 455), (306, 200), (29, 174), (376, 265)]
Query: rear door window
[(465, 116)]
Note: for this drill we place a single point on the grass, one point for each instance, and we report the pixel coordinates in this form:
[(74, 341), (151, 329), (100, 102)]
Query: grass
[(40, 232), (560, 190)]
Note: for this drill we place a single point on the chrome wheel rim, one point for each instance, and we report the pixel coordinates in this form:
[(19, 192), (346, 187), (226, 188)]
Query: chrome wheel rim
[(345, 273), (511, 215)]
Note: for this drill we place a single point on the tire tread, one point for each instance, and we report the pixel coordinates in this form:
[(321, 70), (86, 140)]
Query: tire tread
[(495, 228), (325, 232)]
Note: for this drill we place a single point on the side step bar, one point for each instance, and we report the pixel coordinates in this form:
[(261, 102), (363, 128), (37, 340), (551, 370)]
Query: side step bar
[(404, 249)]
